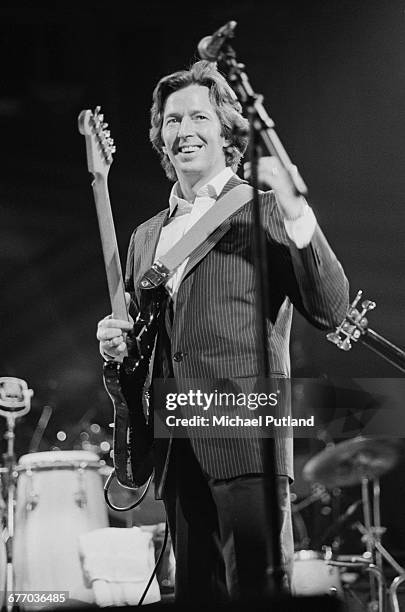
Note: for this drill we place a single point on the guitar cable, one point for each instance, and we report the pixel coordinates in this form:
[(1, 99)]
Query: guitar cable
[(130, 507), (160, 557)]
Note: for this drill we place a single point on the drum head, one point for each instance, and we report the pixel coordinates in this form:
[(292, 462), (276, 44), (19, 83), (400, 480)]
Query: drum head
[(306, 555), (54, 459)]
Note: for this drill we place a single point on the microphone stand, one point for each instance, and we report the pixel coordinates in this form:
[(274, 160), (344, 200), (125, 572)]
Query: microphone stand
[(15, 402), (262, 134), (261, 123)]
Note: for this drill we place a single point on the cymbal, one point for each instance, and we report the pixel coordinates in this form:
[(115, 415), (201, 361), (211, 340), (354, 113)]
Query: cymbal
[(349, 462)]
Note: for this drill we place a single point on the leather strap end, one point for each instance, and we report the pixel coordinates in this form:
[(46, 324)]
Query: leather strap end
[(155, 276)]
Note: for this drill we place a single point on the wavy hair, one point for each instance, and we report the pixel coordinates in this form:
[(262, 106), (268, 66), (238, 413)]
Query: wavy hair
[(235, 128)]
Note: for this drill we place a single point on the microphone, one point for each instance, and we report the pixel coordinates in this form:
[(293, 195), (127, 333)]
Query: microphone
[(210, 46)]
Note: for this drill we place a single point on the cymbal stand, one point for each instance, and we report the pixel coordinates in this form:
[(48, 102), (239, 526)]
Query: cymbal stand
[(375, 551), (374, 540), (15, 401), (376, 531), (372, 561), (371, 536)]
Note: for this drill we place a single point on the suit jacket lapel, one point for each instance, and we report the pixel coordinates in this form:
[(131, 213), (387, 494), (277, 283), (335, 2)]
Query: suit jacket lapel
[(212, 240)]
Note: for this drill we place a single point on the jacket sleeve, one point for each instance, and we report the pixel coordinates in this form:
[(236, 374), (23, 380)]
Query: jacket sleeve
[(312, 277)]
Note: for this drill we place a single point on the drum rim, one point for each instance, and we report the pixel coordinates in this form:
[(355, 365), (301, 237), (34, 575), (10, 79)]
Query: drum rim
[(308, 555), (60, 465), (60, 455)]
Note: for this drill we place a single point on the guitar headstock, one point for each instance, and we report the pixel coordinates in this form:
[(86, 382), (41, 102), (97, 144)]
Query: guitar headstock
[(354, 325), (99, 145)]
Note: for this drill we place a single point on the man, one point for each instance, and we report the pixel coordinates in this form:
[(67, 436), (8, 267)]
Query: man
[(213, 488)]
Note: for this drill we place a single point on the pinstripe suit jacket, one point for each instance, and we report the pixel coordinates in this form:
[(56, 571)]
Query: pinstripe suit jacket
[(214, 323)]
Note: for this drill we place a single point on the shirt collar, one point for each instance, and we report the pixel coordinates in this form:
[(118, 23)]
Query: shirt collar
[(211, 189)]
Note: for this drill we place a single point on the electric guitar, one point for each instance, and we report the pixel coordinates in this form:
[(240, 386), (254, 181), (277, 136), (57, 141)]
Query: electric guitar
[(125, 377)]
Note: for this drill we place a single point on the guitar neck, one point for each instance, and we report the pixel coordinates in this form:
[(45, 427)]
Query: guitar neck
[(386, 349), (110, 248)]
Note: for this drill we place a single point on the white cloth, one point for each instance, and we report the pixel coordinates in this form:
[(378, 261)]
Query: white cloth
[(301, 230), (117, 564)]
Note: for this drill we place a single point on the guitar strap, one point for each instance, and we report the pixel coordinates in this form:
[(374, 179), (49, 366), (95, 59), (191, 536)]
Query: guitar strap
[(227, 205)]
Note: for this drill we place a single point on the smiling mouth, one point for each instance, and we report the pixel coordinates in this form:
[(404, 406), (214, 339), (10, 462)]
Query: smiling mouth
[(189, 148)]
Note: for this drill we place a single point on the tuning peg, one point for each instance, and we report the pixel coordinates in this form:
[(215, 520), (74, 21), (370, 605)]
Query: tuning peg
[(345, 345), (334, 337), (97, 110), (104, 126), (368, 305), (356, 299), (113, 149), (101, 117)]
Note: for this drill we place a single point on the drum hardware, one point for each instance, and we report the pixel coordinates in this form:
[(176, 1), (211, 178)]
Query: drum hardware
[(318, 492), (81, 496), (367, 565), (301, 536), (361, 461), (32, 503), (330, 500), (393, 592), (32, 497), (335, 527), (372, 537), (15, 402)]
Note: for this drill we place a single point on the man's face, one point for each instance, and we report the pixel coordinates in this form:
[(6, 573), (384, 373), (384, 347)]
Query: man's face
[(191, 133)]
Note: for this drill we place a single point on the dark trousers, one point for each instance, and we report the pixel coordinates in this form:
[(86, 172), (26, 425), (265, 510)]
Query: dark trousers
[(218, 530)]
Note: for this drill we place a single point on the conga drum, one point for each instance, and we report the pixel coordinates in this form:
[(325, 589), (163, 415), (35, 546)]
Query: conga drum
[(59, 496)]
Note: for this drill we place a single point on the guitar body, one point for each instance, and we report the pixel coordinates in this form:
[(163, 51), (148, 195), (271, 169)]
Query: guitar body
[(132, 439), (125, 378), (125, 384)]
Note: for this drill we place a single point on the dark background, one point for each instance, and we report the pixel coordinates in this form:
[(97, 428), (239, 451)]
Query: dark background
[(333, 78)]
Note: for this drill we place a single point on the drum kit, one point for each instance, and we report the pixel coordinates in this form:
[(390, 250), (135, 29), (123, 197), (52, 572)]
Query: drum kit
[(360, 461), (49, 499)]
